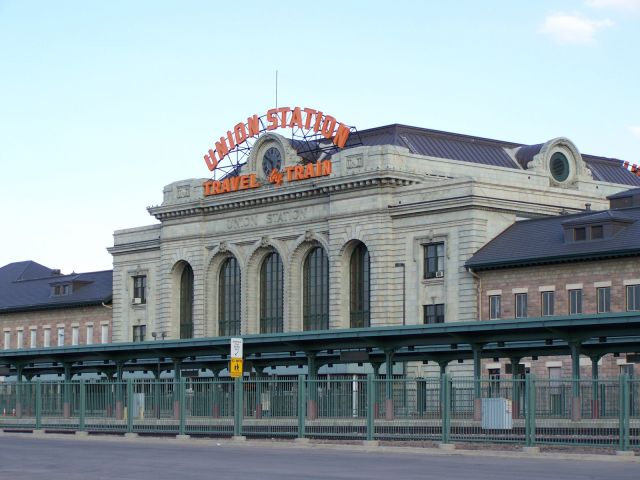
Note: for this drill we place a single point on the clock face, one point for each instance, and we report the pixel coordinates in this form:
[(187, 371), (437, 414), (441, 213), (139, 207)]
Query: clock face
[(272, 159)]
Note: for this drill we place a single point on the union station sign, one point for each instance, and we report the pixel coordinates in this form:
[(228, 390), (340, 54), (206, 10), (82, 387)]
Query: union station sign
[(312, 122)]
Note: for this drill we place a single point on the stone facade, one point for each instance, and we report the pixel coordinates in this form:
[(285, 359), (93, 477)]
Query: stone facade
[(393, 201)]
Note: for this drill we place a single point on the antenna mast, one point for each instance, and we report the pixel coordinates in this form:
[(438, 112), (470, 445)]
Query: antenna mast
[(276, 88)]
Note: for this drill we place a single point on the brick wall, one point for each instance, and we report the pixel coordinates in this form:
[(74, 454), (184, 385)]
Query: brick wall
[(53, 319), (562, 277)]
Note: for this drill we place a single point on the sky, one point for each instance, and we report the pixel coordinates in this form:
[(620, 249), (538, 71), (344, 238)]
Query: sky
[(102, 104)]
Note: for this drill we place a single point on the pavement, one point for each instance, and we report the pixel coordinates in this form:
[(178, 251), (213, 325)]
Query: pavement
[(67, 457)]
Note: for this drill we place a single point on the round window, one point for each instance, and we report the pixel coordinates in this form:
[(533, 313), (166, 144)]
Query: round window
[(559, 166)]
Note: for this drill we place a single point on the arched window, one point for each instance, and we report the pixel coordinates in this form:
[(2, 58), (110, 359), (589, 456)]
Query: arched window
[(271, 289), (359, 290), (315, 296), (186, 303), (229, 298)]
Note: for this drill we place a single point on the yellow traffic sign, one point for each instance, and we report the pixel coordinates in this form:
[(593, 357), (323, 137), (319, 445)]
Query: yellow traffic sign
[(235, 367)]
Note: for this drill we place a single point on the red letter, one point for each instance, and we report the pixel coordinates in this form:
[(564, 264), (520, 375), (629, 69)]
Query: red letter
[(284, 111), (316, 126), (296, 118), (326, 167), (232, 144), (254, 125), (211, 160), (341, 136), (272, 118), (307, 121), (240, 132), (221, 149), (328, 126)]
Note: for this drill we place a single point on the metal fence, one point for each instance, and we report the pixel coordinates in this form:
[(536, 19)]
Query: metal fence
[(527, 411)]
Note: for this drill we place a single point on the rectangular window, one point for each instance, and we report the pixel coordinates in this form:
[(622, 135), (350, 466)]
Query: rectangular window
[(434, 313), (575, 301), (140, 289), (34, 338), (547, 303), (139, 332), (75, 335), (579, 234), (46, 337), (19, 339), (7, 340), (597, 232), (633, 298), (495, 307), (434, 260), (604, 299), (104, 334), (60, 336), (555, 390), (521, 305), (89, 334)]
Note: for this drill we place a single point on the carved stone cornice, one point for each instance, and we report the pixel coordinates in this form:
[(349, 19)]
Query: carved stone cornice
[(251, 199)]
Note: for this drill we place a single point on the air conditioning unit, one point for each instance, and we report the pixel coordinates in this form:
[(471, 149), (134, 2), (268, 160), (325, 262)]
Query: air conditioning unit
[(136, 301), (440, 274)]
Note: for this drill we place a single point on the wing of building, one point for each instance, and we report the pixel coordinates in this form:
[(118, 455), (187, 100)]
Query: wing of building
[(379, 237), (40, 307)]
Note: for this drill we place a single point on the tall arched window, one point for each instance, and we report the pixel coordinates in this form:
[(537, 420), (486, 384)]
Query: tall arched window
[(229, 299), (315, 281), (271, 289), (186, 302), (359, 287)]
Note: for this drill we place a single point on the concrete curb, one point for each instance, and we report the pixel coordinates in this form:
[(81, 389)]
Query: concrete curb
[(442, 449)]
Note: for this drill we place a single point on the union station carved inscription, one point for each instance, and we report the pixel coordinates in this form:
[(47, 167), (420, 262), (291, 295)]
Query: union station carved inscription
[(267, 219)]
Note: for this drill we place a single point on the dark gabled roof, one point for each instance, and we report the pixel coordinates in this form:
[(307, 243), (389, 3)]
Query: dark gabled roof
[(467, 148), (624, 194), (29, 286), (599, 217), (542, 241)]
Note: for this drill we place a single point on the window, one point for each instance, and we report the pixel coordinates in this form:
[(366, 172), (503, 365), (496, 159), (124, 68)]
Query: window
[(315, 288), (434, 260), (46, 337), (495, 307), (19, 338), (34, 338), (579, 234), (60, 336), (89, 339), (62, 290), (140, 289), (547, 303), (434, 313), (555, 390), (75, 335), (104, 334), (633, 298), (575, 301), (521, 305), (359, 288), (7, 340), (186, 302), (271, 294), (597, 232), (604, 299), (229, 298), (139, 332)]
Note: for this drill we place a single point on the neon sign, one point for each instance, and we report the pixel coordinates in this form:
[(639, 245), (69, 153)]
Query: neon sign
[(307, 119)]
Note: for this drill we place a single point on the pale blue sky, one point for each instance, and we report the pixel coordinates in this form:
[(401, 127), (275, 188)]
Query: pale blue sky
[(104, 103)]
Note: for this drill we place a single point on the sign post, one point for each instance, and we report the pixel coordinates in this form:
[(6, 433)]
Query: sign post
[(235, 366)]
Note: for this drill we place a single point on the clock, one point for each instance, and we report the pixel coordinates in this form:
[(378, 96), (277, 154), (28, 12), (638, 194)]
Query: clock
[(272, 159)]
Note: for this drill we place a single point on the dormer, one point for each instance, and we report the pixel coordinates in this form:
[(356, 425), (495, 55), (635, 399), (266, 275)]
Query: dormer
[(599, 226), (626, 199)]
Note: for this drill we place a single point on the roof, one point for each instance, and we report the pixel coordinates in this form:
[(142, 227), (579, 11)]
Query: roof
[(27, 286), (485, 151), (541, 241)]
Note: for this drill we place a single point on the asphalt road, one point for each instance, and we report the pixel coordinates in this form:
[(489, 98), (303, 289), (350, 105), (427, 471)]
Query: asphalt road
[(28, 458)]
